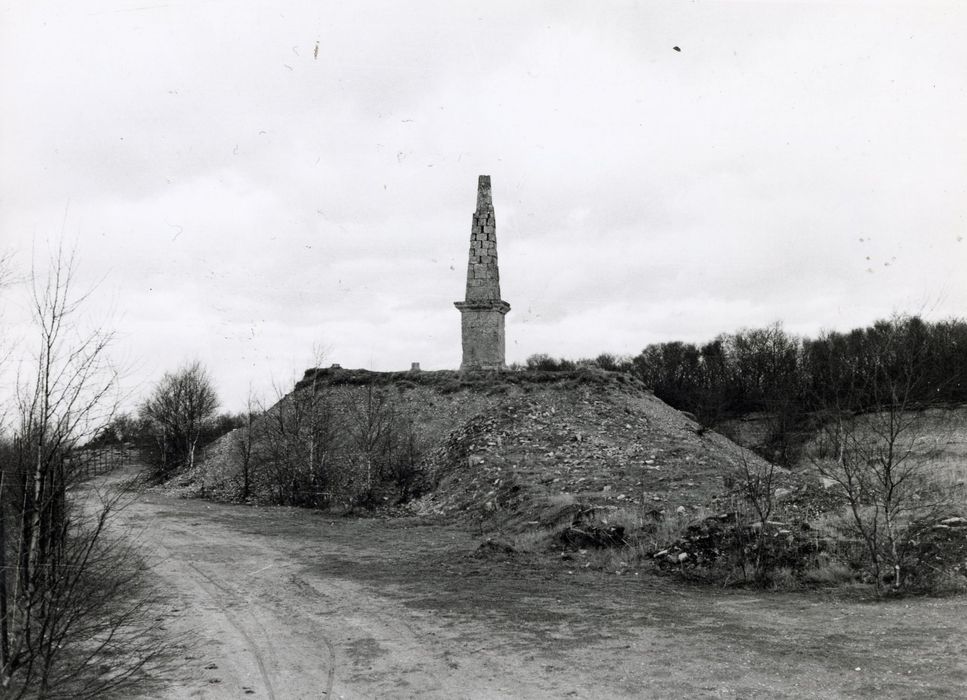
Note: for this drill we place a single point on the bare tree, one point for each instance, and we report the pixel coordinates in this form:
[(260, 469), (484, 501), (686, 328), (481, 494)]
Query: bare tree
[(67, 592), (298, 444), (884, 452), (177, 412), (756, 481), (405, 452), (242, 448), (372, 418)]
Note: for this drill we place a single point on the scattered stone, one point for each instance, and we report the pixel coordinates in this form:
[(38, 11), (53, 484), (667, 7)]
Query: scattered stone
[(593, 535), (494, 549)]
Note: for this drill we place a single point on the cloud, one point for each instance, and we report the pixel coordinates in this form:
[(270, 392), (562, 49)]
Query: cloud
[(238, 197)]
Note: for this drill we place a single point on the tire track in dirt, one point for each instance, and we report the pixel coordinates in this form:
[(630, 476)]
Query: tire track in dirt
[(241, 604), (332, 666), (228, 615), (284, 601), (305, 587), (223, 608), (363, 616), (384, 649)]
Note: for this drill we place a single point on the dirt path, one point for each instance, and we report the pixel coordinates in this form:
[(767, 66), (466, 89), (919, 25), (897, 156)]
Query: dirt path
[(282, 603)]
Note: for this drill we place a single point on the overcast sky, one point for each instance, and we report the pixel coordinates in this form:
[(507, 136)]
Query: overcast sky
[(245, 181)]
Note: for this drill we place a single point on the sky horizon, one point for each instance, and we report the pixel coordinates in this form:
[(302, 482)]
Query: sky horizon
[(257, 185)]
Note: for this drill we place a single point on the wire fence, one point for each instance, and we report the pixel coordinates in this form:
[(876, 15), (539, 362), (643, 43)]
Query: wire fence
[(88, 463)]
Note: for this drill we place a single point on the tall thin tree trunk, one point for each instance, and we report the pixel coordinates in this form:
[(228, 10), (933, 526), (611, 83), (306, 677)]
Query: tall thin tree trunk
[(246, 465), (4, 629)]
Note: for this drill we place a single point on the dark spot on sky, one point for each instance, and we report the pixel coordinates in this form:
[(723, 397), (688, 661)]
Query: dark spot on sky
[(676, 49)]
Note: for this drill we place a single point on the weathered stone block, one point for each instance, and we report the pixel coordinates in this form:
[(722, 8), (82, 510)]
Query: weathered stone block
[(483, 338)]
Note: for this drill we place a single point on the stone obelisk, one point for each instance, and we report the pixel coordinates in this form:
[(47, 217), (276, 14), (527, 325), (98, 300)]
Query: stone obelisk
[(482, 312)]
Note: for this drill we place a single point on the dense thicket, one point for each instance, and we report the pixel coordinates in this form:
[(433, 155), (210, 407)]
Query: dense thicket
[(321, 445)]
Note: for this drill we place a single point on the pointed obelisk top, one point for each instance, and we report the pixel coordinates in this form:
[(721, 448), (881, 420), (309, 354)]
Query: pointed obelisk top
[(484, 200), (483, 277)]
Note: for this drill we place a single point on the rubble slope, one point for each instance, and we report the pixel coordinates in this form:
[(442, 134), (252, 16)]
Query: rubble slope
[(595, 444)]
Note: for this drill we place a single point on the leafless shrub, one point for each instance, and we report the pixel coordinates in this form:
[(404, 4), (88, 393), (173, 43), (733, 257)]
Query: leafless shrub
[(70, 613), (882, 458), (297, 447)]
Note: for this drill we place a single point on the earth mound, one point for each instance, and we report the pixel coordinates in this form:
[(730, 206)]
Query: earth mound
[(512, 448), (541, 455)]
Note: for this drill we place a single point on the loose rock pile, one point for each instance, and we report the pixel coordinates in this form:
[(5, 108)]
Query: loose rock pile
[(937, 551), (596, 446), (724, 539)]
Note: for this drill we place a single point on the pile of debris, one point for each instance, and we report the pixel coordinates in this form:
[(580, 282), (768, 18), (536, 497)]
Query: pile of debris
[(936, 551), (599, 446), (725, 539)]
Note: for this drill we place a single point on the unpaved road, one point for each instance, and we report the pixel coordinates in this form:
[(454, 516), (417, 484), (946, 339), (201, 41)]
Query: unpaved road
[(284, 603)]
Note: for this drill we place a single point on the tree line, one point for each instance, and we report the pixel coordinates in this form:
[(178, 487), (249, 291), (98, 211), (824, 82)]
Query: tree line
[(768, 370), (753, 370)]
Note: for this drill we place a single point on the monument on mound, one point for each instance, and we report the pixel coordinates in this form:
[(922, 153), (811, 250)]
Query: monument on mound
[(482, 311)]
